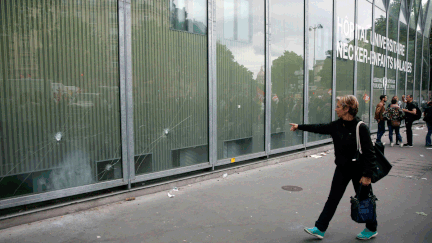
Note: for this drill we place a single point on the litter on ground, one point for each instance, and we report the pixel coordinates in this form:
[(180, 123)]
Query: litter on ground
[(421, 213), (225, 175), (170, 195)]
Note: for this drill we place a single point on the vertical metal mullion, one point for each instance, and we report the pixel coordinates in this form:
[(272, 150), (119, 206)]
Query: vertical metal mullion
[(397, 53), (425, 17), (372, 65), (268, 89), (421, 70), (415, 61), (212, 82), (123, 103), (306, 69), (386, 50), (334, 61), (129, 90), (355, 45), (407, 45)]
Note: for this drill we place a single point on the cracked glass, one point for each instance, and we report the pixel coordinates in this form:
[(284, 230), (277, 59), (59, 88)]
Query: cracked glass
[(170, 93), (59, 95)]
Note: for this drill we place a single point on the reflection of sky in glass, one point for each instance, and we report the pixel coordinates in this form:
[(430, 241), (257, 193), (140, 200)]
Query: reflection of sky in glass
[(345, 10), (320, 12), (243, 21), (365, 16), (402, 15), (200, 11), (228, 19), (380, 4), (248, 51), (181, 5), (424, 7), (287, 27), (418, 27)]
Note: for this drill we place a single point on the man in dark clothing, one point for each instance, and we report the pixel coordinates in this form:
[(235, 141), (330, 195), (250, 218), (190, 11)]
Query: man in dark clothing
[(428, 120), (379, 110), (343, 132), (410, 112)]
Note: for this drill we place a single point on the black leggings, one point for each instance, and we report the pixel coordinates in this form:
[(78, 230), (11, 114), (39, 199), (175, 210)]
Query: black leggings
[(340, 182)]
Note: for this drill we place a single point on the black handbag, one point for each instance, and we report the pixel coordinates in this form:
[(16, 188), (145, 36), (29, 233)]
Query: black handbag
[(363, 211), (383, 166)]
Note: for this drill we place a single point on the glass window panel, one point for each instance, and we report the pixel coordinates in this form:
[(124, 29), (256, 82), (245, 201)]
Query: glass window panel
[(179, 15), (243, 20), (428, 21), (287, 71), (240, 79), (411, 51), (403, 29), (417, 84), (59, 108), (345, 41), (169, 91), (188, 15), (416, 9), (320, 64), (394, 10), (363, 67), (380, 4), (228, 18), (425, 73), (424, 4), (379, 80), (200, 17), (417, 67)]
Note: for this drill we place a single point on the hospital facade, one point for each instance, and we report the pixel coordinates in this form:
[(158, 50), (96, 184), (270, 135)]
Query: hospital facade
[(99, 94)]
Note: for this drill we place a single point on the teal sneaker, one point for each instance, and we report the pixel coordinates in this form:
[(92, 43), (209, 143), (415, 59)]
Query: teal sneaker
[(315, 232), (367, 234)]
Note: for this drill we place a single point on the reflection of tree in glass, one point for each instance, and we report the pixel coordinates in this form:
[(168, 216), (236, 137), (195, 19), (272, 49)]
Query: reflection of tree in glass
[(287, 85)]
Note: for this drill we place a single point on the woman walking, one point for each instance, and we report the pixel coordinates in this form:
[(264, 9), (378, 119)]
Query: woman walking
[(343, 132), (394, 116)]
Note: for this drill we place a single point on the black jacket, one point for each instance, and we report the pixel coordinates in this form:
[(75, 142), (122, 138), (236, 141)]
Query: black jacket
[(344, 140), (410, 117)]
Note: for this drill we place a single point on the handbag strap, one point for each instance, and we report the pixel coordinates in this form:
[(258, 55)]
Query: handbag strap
[(359, 190), (358, 137)]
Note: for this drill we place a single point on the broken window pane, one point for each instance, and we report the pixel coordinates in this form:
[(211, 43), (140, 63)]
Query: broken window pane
[(59, 95), (170, 87)]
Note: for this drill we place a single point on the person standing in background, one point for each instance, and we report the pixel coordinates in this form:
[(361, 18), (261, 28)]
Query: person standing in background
[(410, 112), (428, 119), (379, 110), (389, 125), (394, 116)]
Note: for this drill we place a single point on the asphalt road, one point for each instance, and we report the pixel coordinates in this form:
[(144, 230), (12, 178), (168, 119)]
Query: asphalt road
[(252, 207)]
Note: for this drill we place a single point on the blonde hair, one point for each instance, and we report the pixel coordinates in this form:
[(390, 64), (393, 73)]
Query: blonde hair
[(349, 101)]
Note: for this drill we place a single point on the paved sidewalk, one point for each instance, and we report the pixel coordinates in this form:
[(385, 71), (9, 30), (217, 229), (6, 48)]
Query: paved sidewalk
[(251, 207)]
